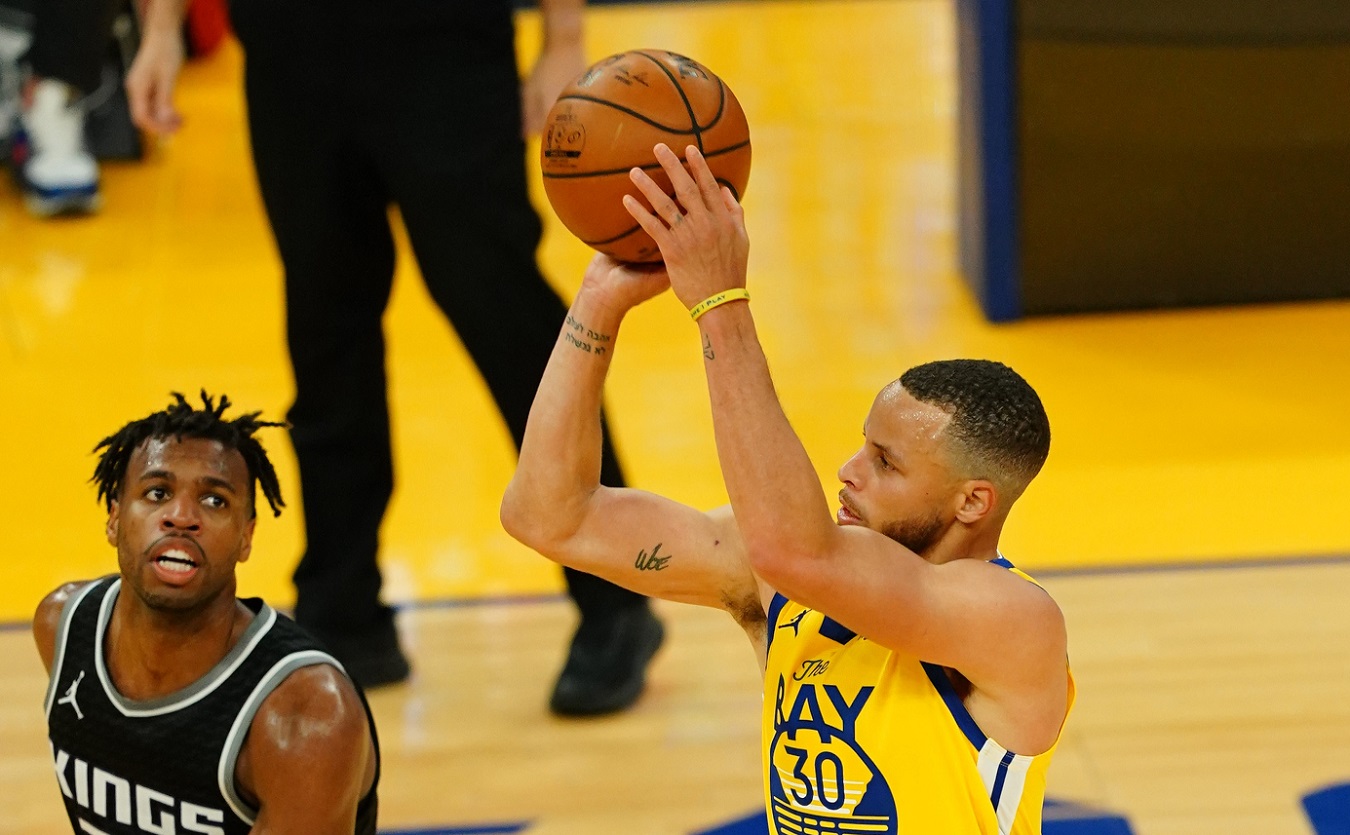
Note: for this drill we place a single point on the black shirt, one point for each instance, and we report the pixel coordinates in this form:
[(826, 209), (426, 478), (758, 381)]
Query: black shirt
[(166, 764)]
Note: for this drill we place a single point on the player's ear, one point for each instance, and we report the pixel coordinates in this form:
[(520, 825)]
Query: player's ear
[(979, 499), (247, 547), (114, 515)]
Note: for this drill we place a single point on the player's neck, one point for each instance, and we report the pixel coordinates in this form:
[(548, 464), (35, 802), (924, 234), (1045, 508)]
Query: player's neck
[(153, 653), (965, 543)]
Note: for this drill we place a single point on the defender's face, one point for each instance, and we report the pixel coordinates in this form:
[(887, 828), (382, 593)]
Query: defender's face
[(899, 483), (182, 522)]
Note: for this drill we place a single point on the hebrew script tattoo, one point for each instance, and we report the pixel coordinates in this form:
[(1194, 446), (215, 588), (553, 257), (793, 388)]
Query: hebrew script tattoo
[(584, 339)]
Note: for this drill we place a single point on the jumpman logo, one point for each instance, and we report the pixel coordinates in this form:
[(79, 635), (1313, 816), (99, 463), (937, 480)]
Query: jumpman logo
[(69, 698), (795, 623)]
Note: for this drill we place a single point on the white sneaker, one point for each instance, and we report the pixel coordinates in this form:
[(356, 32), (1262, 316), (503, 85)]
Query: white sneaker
[(56, 171)]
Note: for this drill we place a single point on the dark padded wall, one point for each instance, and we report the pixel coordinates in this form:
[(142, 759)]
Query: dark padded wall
[(1182, 152)]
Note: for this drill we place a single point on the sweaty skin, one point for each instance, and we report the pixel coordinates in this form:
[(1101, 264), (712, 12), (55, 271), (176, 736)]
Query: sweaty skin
[(308, 758)]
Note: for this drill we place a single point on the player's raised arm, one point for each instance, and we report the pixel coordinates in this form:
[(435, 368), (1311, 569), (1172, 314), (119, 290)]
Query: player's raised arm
[(555, 502), (308, 759), (882, 573)]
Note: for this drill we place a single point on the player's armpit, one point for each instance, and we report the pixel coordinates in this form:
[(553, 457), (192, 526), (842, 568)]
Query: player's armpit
[(308, 759)]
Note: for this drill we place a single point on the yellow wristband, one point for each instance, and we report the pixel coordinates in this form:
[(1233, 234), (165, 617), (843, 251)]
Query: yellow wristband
[(735, 294)]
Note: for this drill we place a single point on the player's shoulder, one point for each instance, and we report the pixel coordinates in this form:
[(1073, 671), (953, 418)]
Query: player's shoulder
[(319, 696), (1012, 586), (55, 601), (47, 617)]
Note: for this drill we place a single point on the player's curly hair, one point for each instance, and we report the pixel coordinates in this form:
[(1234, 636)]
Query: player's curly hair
[(998, 425), (180, 420)]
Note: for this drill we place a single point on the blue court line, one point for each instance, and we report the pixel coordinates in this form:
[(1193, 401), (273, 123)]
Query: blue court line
[(1080, 571), (1328, 809), (485, 829)]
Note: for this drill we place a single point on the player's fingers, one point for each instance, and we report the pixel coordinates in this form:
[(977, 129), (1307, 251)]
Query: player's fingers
[(666, 208), (707, 184), (686, 190), (650, 223), (729, 200)]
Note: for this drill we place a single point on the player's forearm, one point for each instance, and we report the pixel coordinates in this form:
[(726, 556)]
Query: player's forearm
[(773, 487), (564, 23), (560, 455), (164, 17)]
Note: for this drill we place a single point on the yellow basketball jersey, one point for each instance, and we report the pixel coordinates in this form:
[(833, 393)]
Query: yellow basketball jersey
[(860, 739)]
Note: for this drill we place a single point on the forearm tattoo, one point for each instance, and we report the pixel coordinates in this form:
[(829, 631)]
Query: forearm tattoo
[(584, 339), (708, 353), (651, 562)]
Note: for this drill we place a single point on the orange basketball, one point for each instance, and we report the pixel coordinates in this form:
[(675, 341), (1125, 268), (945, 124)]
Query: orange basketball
[(607, 122)]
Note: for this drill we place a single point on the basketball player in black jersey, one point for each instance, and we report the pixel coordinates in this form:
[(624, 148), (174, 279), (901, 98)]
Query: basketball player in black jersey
[(173, 706)]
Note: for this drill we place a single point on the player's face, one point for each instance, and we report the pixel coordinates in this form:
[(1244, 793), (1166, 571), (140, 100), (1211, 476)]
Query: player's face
[(899, 483), (182, 522)]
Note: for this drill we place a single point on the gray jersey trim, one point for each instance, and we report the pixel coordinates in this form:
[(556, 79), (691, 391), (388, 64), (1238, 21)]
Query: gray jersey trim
[(63, 635), (234, 741), (194, 692)]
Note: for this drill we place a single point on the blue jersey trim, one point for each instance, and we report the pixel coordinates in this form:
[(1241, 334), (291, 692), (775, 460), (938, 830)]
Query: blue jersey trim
[(775, 609), (835, 631), (957, 708), (964, 720), (1003, 764)]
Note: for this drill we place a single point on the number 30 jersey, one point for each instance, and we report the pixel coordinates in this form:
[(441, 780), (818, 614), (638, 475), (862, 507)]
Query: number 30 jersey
[(860, 739)]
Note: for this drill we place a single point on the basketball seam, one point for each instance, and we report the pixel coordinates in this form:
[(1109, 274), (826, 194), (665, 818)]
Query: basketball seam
[(689, 108), (629, 111), (648, 167)]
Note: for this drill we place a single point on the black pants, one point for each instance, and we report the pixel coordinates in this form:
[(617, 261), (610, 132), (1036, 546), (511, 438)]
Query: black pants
[(70, 40), (354, 105)]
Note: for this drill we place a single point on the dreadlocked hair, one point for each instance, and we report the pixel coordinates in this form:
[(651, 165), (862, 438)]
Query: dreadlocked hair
[(180, 420)]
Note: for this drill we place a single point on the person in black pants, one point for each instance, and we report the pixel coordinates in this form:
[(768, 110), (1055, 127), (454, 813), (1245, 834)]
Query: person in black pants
[(354, 105)]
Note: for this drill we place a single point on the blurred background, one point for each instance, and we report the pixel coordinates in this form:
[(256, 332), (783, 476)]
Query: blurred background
[(1142, 211)]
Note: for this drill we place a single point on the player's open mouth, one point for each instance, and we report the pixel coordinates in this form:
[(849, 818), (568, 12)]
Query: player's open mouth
[(174, 566)]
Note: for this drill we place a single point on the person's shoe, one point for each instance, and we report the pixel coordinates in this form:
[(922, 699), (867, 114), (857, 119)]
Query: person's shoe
[(57, 173), (606, 667), (373, 659)]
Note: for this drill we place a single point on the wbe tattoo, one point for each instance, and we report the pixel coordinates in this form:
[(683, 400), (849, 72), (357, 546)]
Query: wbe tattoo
[(651, 562)]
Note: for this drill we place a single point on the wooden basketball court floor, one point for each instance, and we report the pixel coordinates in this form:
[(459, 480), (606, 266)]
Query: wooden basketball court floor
[(1191, 520)]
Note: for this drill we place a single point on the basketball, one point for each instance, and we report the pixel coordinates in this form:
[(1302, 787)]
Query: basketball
[(607, 122)]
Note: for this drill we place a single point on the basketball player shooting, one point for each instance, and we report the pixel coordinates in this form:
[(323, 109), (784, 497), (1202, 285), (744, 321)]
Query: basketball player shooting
[(173, 706), (914, 681)]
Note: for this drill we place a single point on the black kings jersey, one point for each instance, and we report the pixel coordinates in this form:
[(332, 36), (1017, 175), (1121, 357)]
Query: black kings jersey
[(166, 765)]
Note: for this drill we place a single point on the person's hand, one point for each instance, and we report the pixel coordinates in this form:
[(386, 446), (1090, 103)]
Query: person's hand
[(556, 68), (151, 80), (702, 236), (621, 286)]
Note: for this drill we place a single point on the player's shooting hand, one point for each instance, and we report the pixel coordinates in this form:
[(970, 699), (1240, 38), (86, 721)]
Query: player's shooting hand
[(151, 80), (622, 286), (701, 231)]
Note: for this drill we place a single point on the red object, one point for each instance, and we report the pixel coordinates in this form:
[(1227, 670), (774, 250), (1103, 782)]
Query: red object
[(206, 25)]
